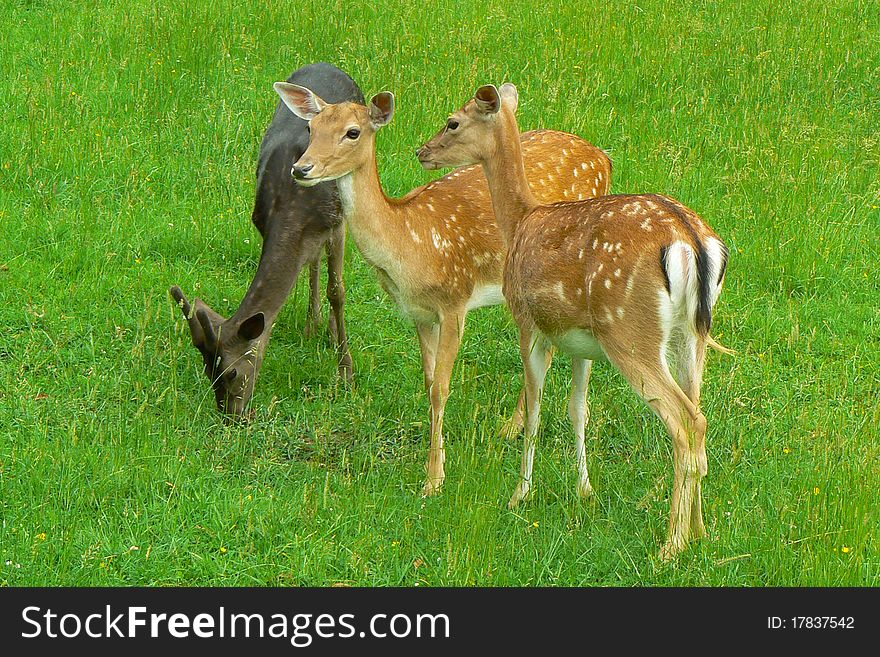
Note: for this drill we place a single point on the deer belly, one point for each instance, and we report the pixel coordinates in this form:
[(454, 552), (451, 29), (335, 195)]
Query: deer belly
[(579, 343), (485, 295)]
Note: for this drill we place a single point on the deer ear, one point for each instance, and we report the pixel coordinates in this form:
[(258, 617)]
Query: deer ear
[(509, 95), (303, 102), (488, 99), (381, 109), (195, 327), (252, 327), (207, 328)]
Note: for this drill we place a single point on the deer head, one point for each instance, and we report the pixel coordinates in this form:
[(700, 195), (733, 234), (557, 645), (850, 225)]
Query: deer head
[(232, 351), (462, 141), (342, 135)]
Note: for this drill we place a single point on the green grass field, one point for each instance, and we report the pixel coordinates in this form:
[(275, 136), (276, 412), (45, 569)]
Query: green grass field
[(128, 145)]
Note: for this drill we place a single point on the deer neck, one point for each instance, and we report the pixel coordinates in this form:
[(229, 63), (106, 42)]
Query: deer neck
[(368, 213), (286, 250), (512, 199)]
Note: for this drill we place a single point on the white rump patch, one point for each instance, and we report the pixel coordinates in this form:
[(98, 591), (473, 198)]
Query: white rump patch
[(715, 252), (678, 308)]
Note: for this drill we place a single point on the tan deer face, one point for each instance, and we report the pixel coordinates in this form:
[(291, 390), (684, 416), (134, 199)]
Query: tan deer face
[(341, 136), (466, 137)]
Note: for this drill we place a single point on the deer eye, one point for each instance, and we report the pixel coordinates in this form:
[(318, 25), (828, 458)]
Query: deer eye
[(353, 133), (231, 374), (452, 124)]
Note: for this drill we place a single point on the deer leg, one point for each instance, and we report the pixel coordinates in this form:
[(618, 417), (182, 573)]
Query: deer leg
[(448, 342), (691, 359), (514, 426), (533, 351), (579, 413), (336, 296), (314, 319), (686, 426), (429, 334)]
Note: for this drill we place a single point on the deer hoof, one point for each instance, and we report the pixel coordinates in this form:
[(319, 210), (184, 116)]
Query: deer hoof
[(521, 494), (584, 489), (670, 550), (512, 428), (432, 487)]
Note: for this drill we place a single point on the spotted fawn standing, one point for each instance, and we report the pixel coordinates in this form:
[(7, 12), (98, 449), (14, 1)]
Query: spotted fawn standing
[(627, 278)]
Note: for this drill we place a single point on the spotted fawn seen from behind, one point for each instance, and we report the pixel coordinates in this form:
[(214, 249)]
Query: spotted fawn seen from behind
[(631, 279), (437, 251)]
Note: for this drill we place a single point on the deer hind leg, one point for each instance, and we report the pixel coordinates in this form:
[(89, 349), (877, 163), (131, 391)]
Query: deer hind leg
[(315, 318), (514, 426), (690, 360), (447, 343), (429, 335), (336, 296), (686, 426), (579, 413), (536, 361)]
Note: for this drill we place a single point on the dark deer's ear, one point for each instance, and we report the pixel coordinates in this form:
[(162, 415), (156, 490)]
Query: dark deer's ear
[(181, 300), (381, 109), (195, 327), (207, 327), (305, 103), (252, 327), (488, 99)]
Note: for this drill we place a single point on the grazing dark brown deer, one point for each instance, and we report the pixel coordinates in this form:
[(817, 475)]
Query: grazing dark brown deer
[(437, 251), (627, 278), (295, 224)]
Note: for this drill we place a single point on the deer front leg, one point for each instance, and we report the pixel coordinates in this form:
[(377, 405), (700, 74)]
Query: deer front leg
[(315, 317), (536, 362), (448, 342), (336, 296), (514, 426)]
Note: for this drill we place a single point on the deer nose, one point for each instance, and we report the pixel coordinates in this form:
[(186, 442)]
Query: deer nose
[(301, 172), (420, 151)]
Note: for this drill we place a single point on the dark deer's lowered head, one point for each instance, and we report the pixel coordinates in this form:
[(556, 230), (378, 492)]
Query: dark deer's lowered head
[(295, 223), (232, 351)]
